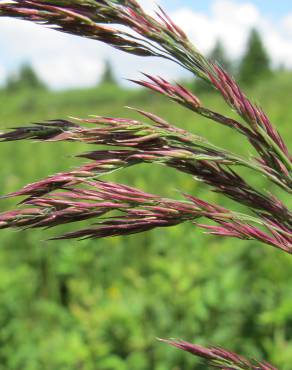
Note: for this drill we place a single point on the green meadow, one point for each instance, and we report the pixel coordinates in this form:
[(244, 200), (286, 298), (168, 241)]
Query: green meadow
[(100, 305)]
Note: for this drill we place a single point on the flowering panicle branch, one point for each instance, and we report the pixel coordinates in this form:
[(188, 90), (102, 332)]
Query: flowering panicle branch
[(262, 135), (139, 211), (186, 98), (220, 358), (269, 144), (241, 226), (129, 133), (68, 198), (74, 20), (157, 143), (151, 37)]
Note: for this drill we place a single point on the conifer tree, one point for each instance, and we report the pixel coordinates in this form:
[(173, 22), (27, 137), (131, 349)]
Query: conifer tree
[(108, 76), (219, 55), (255, 64), (26, 77)]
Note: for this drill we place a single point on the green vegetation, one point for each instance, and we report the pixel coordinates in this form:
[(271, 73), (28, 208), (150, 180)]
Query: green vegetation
[(100, 304)]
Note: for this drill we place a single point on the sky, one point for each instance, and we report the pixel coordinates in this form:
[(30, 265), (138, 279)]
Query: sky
[(65, 61), (272, 7)]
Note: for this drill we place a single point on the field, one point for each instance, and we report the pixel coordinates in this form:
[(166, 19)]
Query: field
[(101, 304)]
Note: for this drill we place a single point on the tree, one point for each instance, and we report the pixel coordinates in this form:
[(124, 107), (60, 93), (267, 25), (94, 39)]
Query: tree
[(25, 78), (108, 77), (29, 78), (218, 54), (255, 64)]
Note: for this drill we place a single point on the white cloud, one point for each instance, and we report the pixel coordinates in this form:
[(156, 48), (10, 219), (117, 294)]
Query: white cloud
[(228, 21), (67, 61), (230, 12), (231, 21), (80, 71), (287, 23), (61, 60), (149, 5)]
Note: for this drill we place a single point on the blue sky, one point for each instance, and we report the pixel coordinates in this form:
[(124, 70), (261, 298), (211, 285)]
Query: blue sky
[(271, 7), (65, 61)]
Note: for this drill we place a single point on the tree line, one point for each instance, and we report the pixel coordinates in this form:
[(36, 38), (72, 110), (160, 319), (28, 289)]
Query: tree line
[(27, 78), (254, 66)]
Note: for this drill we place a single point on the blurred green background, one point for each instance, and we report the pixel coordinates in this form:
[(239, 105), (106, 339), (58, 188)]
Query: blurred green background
[(100, 305)]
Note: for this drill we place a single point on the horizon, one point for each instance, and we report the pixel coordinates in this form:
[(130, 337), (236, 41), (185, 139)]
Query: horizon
[(63, 61)]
